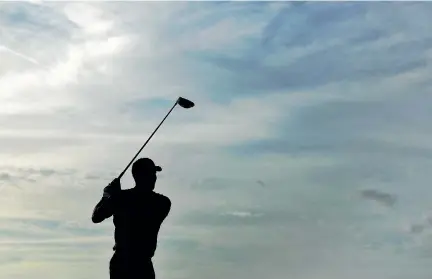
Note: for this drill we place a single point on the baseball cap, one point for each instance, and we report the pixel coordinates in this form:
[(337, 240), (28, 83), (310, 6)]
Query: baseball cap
[(145, 164)]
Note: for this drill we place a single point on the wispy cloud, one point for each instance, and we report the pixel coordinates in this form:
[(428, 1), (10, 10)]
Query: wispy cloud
[(384, 198)]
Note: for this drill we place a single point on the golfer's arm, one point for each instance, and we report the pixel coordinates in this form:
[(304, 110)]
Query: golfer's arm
[(103, 210)]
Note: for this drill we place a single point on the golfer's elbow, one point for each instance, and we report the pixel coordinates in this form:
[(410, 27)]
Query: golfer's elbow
[(97, 219), (97, 216), (103, 210)]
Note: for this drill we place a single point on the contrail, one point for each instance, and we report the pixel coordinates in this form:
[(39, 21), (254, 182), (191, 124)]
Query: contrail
[(25, 57)]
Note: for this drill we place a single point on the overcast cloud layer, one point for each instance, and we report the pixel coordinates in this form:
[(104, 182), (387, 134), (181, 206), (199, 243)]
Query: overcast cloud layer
[(308, 154)]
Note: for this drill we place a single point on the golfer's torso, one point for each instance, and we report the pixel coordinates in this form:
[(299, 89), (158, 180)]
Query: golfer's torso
[(137, 223)]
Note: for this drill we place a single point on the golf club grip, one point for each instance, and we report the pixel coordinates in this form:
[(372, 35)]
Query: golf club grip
[(142, 147)]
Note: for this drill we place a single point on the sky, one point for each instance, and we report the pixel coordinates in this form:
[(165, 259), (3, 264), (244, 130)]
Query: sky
[(307, 155)]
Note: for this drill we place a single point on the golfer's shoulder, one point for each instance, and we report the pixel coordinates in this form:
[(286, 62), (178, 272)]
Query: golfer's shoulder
[(162, 199)]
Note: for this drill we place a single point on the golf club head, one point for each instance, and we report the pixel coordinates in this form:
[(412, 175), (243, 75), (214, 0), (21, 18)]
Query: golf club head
[(185, 103)]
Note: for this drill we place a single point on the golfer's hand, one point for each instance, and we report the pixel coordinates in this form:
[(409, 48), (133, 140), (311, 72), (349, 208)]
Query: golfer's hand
[(112, 188)]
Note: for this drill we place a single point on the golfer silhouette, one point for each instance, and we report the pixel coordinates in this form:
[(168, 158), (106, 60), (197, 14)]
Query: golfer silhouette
[(138, 214)]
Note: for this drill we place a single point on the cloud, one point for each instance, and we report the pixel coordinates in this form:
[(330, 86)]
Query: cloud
[(5, 176), (313, 45), (320, 101), (261, 183), (384, 198), (243, 214)]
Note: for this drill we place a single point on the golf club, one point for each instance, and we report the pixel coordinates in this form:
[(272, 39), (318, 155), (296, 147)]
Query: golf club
[(184, 103)]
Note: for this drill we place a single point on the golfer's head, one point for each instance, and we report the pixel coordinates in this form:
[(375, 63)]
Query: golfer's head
[(144, 172)]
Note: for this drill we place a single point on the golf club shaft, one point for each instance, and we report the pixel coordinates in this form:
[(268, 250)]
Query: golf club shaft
[(147, 140)]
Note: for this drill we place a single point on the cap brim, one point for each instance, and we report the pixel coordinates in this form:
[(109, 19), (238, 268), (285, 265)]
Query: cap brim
[(158, 168)]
